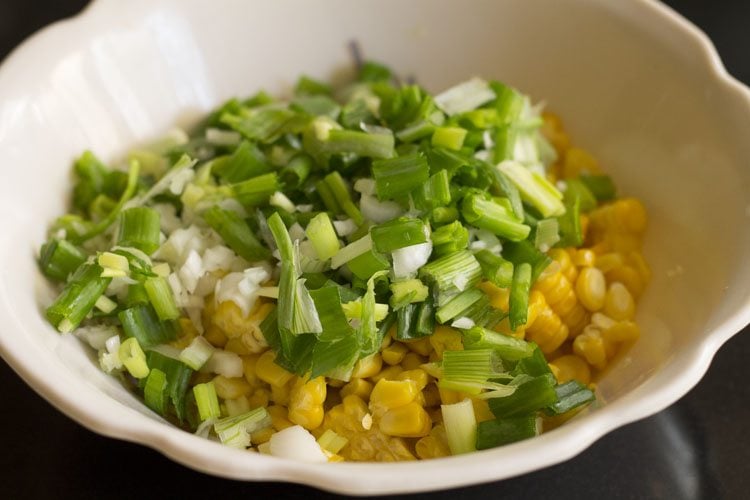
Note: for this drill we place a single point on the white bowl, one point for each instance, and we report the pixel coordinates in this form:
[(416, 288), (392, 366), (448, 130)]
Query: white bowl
[(635, 83)]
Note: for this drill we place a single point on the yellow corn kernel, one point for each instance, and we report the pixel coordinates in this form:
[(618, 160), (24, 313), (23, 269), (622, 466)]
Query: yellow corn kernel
[(208, 311), (279, 417), (567, 267), (622, 331), (355, 407), (436, 415), (412, 360), (553, 131), (409, 420), (431, 395), (585, 224), (215, 336), (578, 161), (498, 296), (270, 372), (547, 331), (389, 394), (228, 316), (584, 257), (336, 458), (187, 333), (357, 386), (262, 436), (482, 410), (589, 345), (628, 276), (259, 397), (367, 367), (619, 304), (608, 261), (639, 264), (449, 397), (237, 346), (418, 376), (280, 394), (387, 339), (570, 367), (334, 382), (435, 445), (237, 406), (444, 339), (306, 402), (389, 373), (394, 353), (420, 346), (231, 388), (248, 367), (591, 288)]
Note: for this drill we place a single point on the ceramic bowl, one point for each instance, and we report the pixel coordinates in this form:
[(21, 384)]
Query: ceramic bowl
[(636, 85)]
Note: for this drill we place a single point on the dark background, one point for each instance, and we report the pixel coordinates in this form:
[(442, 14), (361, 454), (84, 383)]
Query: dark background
[(697, 448)]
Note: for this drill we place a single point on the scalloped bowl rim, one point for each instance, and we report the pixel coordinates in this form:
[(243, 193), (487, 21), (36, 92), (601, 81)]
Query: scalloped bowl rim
[(368, 478)]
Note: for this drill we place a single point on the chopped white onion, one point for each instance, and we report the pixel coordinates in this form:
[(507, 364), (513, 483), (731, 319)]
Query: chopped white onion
[(463, 323), (224, 363), (96, 335), (379, 211), (365, 186), (280, 200), (344, 227), (296, 443), (241, 287), (407, 260), (191, 271)]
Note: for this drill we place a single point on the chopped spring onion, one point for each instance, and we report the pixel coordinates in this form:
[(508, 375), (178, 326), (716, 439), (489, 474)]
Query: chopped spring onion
[(197, 353), (332, 442), (498, 432), (460, 426), (407, 291), (397, 177), (601, 186), (449, 238), (105, 304), (139, 228), (142, 323), (435, 192), (178, 377), (365, 265), (570, 395), (490, 215), (529, 396), (571, 233), (449, 137), (352, 250), (78, 297), (465, 96), (236, 233), (534, 188), (235, 431), (113, 265), (59, 258), (340, 192), (160, 295), (155, 391), (495, 268), (451, 274), (207, 401), (519, 295), (256, 191), (507, 347), (547, 234), (247, 161), (398, 233), (322, 236), (133, 358), (457, 306)]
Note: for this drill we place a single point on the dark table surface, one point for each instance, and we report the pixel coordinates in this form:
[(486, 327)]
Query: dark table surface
[(697, 448)]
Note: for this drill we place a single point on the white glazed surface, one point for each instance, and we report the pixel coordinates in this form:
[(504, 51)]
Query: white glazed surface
[(635, 84)]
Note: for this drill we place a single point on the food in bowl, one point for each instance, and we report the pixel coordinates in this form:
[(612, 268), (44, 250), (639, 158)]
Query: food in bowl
[(364, 273)]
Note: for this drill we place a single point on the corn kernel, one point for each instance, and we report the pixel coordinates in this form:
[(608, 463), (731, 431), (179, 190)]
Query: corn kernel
[(608, 261), (215, 336), (590, 346), (237, 406), (409, 420), (306, 402), (394, 353), (449, 397), (279, 417), (357, 386), (570, 367), (444, 339), (584, 257), (622, 331), (248, 367), (389, 373), (262, 436), (411, 361), (237, 346), (431, 395), (268, 371), (420, 346), (231, 388), (628, 276), (389, 394), (619, 303), (280, 394), (482, 410), (418, 376), (258, 398), (498, 296), (367, 367), (591, 288)]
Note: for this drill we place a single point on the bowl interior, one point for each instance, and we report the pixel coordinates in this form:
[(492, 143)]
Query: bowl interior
[(631, 87)]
